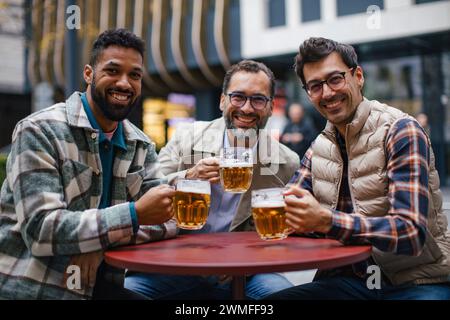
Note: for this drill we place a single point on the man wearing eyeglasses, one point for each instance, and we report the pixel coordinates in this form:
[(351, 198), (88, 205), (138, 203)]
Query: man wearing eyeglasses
[(369, 178), (246, 103)]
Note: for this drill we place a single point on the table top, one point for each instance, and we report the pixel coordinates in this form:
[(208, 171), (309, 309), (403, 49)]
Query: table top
[(234, 253)]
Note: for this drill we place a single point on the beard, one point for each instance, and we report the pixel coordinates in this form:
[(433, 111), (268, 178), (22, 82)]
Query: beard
[(260, 123), (243, 134), (112, 111)]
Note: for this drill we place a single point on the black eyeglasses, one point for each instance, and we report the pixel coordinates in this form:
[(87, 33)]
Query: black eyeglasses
[(258, 102), (335, 82)]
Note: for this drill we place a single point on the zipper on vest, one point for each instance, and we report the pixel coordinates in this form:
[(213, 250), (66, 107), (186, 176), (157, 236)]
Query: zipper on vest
[(350, 187)]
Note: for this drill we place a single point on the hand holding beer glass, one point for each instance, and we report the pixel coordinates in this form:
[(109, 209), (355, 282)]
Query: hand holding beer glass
[(236, 169), (191, 203), (269, 214)]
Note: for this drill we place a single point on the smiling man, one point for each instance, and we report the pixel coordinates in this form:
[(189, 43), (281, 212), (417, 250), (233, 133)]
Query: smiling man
[(82, 179), (368, 178), (246, 103)]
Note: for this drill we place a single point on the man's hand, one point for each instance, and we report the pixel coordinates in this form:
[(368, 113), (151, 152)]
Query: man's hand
[(205, 169), (304, 213), (88, 264), (155, 206), (296, 137)]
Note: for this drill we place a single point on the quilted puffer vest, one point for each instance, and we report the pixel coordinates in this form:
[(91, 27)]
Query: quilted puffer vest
[(368, 182)]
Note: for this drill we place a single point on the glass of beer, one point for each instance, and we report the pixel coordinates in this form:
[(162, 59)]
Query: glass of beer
[(236, 169), (268, 213), (191, 203)]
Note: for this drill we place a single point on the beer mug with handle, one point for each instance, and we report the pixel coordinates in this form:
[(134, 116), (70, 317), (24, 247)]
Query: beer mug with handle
[(236, 169), (269, 214), (191, 203)]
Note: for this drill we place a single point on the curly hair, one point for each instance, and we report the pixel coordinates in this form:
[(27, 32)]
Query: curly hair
[(315, 49), (249, 66), (115, 37)]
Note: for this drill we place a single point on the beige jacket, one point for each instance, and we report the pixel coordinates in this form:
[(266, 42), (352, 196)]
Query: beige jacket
[(192, 142), (368, 182)]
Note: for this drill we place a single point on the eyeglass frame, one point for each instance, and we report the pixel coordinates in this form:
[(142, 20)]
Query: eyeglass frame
[(247, 97), (321, 83)]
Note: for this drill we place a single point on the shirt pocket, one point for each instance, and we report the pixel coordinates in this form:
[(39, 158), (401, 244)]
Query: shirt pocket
[(134, 182), (76, 178)]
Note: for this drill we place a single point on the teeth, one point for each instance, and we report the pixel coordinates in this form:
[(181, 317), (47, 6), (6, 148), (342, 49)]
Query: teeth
[(120, 97), (332, 105), (246, 120)]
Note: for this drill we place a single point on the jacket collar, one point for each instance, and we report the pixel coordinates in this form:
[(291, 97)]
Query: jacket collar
[(77, 117)]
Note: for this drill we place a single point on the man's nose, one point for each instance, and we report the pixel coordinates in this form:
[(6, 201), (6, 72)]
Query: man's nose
[(327, 91), (123, 82), (247, 107)]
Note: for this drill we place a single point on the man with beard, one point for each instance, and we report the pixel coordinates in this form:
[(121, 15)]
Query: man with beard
[(246, 103), (82, 179), (368, 178)]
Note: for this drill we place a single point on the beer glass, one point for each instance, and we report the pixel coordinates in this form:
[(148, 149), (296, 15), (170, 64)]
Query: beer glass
[(269, 215), (236, 169), (191, 203)]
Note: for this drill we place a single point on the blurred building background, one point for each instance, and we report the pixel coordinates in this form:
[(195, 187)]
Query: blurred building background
[(403, 46)]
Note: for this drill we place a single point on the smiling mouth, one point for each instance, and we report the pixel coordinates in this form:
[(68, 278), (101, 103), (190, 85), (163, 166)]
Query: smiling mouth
[(333, 104), (245, 119), (120, 96)]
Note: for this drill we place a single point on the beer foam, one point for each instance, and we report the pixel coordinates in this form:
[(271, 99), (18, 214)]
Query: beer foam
[(200, 189), (236, 165), (268, 204)]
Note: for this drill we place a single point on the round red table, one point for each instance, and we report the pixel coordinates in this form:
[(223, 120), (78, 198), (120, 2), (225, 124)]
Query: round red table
[(234, 253)]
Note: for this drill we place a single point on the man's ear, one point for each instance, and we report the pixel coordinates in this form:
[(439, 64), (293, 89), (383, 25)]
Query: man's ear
[(359, 76), (222, 102), (88, 74), (271, 107)]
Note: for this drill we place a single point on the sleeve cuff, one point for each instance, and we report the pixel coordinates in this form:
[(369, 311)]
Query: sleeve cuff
[(342, 226), (134, 219)]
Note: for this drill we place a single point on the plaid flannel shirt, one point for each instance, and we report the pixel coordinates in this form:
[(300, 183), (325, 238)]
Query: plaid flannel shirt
[(49, 200), (402, 230)]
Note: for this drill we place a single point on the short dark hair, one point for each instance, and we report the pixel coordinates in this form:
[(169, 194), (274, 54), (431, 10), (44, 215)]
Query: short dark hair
[(315, 49), (249, 66), (116, 37)]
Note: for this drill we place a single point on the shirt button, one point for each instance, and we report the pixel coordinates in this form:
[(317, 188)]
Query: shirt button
[(94, 135)]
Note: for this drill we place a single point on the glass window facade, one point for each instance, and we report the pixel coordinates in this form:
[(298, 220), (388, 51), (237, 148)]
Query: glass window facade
[(396, 82), (347, 7), (310, 10), (276, 11)]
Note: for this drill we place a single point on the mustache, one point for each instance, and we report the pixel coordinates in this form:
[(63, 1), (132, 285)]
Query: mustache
[(120, 91), (332, 100), (245, 114)]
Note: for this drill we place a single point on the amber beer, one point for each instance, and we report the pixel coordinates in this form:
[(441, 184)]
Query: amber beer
[(191, 203), (236, 178), (236, 169), (269, 214)]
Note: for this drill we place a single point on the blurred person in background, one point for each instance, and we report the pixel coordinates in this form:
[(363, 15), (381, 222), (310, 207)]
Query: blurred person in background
[(422, 119), (299, 133)]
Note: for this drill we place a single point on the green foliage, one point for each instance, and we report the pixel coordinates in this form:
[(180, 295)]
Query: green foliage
[(2, 168)]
